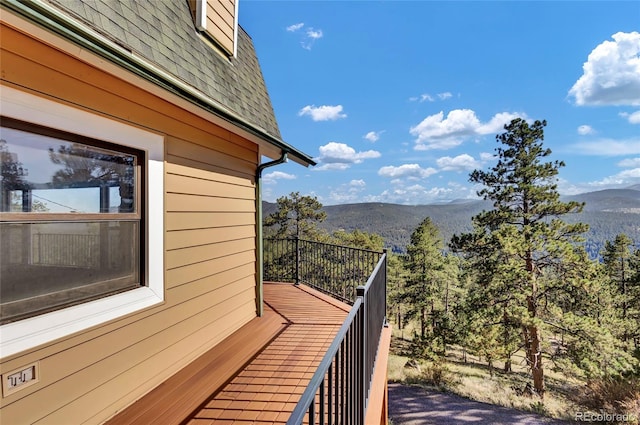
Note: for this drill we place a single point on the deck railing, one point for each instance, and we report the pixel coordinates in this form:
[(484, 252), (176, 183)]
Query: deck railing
[(333, 269), (338, 392)]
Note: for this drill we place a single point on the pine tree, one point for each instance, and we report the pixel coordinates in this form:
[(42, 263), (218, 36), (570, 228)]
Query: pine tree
[(621, 267), (423, 293), (297, 216), (524, 251), (396, 281)]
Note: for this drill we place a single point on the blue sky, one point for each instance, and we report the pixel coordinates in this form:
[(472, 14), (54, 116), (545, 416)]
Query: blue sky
[(399, 101)]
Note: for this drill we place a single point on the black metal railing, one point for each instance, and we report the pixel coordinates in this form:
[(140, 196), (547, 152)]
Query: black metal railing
[(333, 269), (338, 392)]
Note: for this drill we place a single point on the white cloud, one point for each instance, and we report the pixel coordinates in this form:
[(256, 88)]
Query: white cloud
[(339, 156), (622, 179), (584, 130), (373, 136), (323, 113), (295, 27), (462, 162), (630, 163), (274, 176), (411, 193), (611, 75), (426, 97), (308, 37), (411, 171), (311, 36), (438, 132), (348, 192), (415, 195), (633, 118), (608, 147), (497, 122), (314, 34), (486, 156)]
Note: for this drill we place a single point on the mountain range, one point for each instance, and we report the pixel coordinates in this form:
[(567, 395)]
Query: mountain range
[(608, 212)]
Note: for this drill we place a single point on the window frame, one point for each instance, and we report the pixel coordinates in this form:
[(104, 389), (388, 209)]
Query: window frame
[(37, 330), (40, 304)]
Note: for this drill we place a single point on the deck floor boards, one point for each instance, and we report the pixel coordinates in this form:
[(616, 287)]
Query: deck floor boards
[(267, 390), (258, 374)]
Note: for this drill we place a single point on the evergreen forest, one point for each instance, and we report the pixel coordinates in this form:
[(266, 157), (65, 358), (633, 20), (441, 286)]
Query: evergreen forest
[(525, 270)]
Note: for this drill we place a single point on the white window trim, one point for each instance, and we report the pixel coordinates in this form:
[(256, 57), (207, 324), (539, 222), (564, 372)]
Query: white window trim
[(32, 332), (201, 15)]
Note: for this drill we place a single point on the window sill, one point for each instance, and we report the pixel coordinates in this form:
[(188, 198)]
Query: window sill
[(19, 336)]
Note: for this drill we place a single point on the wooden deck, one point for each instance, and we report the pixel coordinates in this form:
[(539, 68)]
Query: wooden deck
[(256, 375)]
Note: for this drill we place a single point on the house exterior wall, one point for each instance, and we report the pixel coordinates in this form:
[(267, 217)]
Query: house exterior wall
[(209, 243)]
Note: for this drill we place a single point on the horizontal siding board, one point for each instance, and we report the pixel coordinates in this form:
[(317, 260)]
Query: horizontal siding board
[(246, 178), (202, 220), (221, 33), (220, 37), (224, 18), (189, 203), (230, 5), (191, 255), (191, 272), (213, 149), (225, 9), (194, 186), (229, 279), (201, 154), (198, 237), (173, 168)]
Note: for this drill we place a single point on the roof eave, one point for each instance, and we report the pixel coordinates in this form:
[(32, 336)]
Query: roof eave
[(54, 20)]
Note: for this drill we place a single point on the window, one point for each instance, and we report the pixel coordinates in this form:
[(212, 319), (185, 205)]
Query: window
[(70, 219), (81, 220)]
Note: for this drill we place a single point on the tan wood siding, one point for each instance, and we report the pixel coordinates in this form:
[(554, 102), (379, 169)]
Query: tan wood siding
[(209, 249), (197, 220), (221, 22)]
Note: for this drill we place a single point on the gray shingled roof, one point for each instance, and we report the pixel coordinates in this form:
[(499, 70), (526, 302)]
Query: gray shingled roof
[(163, 32)]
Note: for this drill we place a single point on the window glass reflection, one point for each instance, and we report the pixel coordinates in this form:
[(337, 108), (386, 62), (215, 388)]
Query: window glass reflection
[(43, 174)]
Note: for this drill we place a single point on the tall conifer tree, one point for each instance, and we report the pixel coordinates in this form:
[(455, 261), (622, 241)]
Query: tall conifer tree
[(523, 251), (297, 215), (423, 293), (620, 264)]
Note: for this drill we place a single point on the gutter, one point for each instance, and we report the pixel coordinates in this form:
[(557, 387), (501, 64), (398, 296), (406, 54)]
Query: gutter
[(56, 21), (260, 243)]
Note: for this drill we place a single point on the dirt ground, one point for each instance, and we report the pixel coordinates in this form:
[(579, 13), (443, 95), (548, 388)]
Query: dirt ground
[(410, 405)]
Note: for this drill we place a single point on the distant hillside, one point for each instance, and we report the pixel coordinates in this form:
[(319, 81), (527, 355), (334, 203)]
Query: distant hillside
[(395, 223), (608, 213), (610, 200)]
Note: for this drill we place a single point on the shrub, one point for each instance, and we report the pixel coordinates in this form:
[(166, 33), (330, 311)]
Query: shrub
[(612, 395)]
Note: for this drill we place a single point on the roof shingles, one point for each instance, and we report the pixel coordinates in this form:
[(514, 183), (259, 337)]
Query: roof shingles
[(163, 32)]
